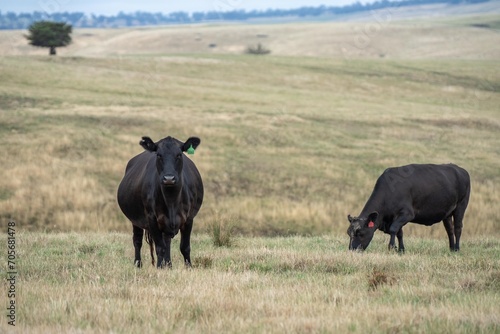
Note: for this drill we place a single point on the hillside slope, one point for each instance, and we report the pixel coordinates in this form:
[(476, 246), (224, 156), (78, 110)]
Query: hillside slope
[(378, 35)]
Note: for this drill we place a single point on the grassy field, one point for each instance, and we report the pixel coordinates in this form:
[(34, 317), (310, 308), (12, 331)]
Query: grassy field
[(86, 283), (291, 143)]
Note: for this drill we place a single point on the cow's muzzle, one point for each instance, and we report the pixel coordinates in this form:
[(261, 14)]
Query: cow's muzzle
[(355, 246), (169, 180)]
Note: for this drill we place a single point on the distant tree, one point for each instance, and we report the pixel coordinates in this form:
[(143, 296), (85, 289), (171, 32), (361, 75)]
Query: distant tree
[(49, 34), (198, 16)]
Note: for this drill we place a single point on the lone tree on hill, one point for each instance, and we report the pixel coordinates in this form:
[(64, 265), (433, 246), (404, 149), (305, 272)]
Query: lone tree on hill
[(49, 35)]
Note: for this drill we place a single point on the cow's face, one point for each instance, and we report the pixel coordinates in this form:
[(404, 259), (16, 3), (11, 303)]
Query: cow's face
[(361, 231), (169, 157)]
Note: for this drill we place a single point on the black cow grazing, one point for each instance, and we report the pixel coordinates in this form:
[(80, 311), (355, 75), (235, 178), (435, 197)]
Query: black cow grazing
[(421, 194), (161, 193)]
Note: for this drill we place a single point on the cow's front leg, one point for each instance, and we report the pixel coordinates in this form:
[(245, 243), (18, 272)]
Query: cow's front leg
[(392, 242), (137, 239), (186, 242), (162, 251), (397, 228), (167, 261)]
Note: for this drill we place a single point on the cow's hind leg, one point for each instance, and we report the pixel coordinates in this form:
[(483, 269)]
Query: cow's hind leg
[(448, 225), (458, 217), (137, 239), (186, 242)]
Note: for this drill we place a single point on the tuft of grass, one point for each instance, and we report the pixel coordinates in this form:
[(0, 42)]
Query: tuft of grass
[(203, 262), (222, 230), (379, 277)]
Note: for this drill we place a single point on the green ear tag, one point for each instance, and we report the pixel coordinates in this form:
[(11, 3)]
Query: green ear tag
[(190, 150)]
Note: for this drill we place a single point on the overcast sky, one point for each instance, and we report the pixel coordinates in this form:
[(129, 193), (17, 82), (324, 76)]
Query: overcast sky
[(114, 6)]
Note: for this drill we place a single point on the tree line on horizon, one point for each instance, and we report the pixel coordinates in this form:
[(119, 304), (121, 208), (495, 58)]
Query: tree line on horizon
[(11, 20)]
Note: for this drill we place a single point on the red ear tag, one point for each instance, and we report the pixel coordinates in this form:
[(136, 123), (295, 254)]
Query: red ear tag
[(371, 224)]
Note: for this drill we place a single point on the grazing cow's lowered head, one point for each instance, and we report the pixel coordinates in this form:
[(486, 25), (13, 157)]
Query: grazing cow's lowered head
[(169, 158), (361, 231)]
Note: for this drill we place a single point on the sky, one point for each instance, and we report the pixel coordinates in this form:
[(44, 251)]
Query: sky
[(113, 7)]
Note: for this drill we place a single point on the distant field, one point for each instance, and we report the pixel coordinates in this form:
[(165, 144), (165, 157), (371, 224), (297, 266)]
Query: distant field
[(289, 144), (397, 33)]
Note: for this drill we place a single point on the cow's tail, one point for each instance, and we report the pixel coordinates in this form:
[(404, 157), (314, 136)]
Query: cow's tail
[(149, 240)]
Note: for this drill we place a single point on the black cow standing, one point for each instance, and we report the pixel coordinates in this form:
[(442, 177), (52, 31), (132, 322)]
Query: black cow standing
[(421, 194), (161, 193)]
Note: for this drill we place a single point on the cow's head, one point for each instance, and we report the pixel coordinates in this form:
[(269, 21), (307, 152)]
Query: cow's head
[(361, 230), (169, 157)]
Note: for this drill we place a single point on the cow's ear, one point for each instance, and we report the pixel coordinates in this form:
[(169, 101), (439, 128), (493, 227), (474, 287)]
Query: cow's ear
[(148, 144), (191, 143), (349, 218), (372, 217)]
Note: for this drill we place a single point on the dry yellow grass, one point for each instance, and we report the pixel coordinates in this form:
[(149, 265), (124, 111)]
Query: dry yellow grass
[(86, 283), (289, 144)]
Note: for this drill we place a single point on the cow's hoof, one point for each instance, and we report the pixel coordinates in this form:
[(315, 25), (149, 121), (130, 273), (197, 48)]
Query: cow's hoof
[(138, 263), (164, 264)]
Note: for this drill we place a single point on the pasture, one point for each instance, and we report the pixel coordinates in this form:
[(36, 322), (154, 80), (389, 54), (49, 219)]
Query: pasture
[(86, 283), (291, 143)]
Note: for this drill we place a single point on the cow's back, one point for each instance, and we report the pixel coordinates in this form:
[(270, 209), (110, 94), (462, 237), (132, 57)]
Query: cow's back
[(433, 191)]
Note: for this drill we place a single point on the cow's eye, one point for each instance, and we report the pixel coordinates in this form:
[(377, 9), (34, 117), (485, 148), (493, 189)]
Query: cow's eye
[(158, 156), (179, 156)]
